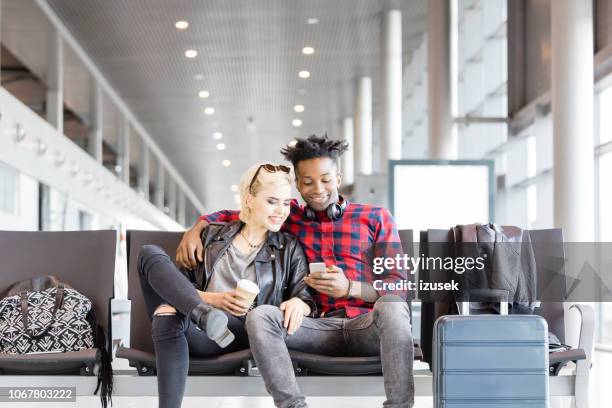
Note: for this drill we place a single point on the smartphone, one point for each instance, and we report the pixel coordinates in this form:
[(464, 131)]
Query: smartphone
[(317, 267)]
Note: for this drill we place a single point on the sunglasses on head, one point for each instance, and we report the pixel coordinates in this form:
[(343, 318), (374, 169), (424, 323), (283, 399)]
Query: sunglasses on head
[(270, 168)]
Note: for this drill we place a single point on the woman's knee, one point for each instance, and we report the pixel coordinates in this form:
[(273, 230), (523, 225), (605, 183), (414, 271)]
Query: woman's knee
[(164, 310), (149, 255), (167, 326)]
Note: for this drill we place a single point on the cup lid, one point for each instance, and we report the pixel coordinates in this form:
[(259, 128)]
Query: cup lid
[(248, 285)]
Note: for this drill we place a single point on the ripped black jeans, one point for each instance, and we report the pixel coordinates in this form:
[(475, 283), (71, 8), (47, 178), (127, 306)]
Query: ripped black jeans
[(175, 336)]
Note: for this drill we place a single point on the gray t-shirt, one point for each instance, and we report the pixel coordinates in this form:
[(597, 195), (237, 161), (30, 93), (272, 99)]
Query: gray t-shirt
[(233, 266)]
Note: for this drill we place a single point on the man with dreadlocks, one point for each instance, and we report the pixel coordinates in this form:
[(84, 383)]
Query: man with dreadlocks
[(353, 318)]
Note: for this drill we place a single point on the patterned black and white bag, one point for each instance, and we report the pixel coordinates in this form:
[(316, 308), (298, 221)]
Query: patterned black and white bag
[(44, 315), (46, 321)]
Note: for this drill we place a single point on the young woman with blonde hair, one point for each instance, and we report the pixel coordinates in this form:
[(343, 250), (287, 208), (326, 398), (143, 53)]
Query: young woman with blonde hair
[(198, 312)]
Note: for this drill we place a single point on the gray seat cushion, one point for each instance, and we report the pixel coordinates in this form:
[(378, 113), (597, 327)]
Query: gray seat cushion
[(228, 363), (307, 363), (47, 363)]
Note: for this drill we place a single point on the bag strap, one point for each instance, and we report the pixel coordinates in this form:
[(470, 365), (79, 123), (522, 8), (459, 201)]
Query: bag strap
[(59, 299)]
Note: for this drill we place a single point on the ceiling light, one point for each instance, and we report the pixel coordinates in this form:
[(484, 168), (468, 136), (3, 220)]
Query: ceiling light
[(221, 146), (304, 74), (203, 94), (191, 53), (296, 122), (313, 20), (217, 135), (226, 163), (292, 143), (308, 50), (181, 25), (198, 77), (298, 108), (209, 111), (234, 188)]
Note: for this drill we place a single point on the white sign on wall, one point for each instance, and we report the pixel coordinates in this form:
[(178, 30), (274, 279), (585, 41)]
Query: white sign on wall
[(439, 194)]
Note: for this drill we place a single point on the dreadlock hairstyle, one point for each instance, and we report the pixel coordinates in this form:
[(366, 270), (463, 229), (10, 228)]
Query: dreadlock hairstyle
[(313, 147)]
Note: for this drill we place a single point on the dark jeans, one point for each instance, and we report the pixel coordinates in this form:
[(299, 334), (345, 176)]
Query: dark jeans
[(175, 336)]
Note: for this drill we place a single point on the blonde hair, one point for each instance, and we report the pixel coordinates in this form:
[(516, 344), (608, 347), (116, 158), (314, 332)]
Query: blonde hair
[(264, 178)]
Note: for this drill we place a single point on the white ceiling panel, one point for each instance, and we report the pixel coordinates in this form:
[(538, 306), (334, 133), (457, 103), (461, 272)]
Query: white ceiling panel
[(249, 59)]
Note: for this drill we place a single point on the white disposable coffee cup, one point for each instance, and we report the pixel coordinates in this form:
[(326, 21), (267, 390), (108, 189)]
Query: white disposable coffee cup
[(248, 289)]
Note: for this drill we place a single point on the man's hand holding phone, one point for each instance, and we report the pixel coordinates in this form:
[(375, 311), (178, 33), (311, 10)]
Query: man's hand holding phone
[(329, 280)]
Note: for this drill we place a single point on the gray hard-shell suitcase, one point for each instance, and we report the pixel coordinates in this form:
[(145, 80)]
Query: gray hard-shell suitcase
[(490, 361)]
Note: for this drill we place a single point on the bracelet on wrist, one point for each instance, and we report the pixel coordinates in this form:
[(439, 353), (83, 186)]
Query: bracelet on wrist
[(350, 287)]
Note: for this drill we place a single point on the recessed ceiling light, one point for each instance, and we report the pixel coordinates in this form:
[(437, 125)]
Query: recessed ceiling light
[(217, 135), (209, 111), (226, 163), (234, 188), (308, 50), (198, 77), (181, 25), (313, 20), (191, 53), (298, 108), (292, 143), (304, 74), (220, 146), (296, 122), (203, 94)]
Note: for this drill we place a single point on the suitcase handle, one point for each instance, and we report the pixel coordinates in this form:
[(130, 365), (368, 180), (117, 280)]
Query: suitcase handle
[(484, 295)]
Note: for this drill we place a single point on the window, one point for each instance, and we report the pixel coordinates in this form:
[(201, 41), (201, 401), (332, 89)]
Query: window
[(414, 139), (605, 197), (605, 326), (481, 75), (604, 200), (85, 220), (604, 99), (9, 190), (53, 208)]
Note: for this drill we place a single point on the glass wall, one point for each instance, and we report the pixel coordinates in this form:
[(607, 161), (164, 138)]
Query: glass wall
[(18, 200), (25, 34), (53, 209), (135, 157), (9, 190), (153, 163), (28, 43), (603, 159), (78, 99), (482, 75), (415, 141), (111, 135)]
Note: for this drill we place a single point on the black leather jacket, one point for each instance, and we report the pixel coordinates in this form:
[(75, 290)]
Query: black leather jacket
[(280, 265)]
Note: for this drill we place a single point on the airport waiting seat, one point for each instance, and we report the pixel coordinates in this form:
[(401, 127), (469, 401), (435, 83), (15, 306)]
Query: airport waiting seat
[(141, 353), (83, 259), (548, 247), (315, 364)]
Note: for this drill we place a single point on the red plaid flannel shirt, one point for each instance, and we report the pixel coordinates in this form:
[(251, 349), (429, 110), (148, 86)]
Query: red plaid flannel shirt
[(349, 243)]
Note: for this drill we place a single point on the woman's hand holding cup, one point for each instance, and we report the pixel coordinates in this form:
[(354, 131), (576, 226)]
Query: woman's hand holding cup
[(236, 302), (231, 301)]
